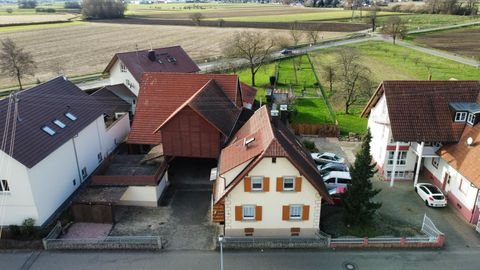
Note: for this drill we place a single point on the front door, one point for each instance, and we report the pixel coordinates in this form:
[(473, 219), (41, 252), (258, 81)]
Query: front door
[(446, 182)]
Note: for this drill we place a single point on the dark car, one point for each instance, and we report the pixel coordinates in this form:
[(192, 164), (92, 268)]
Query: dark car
[(286, 51), (330, 167)]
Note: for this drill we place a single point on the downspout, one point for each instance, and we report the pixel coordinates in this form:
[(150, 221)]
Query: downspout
[(419, 163), (395, 160), (76, 159)]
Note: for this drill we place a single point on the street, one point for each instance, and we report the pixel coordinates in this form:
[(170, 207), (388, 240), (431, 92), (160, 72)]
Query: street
[(464, 259)]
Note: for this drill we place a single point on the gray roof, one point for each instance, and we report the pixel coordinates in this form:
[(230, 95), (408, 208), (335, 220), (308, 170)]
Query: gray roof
[(472, 107), (111, 102), (39, 107)]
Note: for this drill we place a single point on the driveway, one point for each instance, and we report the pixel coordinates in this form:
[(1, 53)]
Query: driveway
[(341, 148), (183, 219), (401, 202)]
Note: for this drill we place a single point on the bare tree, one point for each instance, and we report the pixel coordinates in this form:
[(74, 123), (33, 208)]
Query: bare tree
[(394, 27), (372, 17), (353, 76), (255, 47), (196, 17), (295, 33), (330, 73), (16, 62), (312, 33)]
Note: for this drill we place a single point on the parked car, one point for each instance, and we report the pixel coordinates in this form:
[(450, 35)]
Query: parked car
[(286, 51), (337, 179), (431, 194), (330, 167), (336, 194), (327, 157)]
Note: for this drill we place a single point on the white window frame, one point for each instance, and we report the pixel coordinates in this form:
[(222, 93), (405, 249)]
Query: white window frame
[(100, 157), (123, 67), (401, 158), (246, 209), (84, 172), (4, 186), (295, 211), (463, 186), (435, 162), (285, 179), (460, 116), (471, 118), (398, 174), (257, 180), (71, 116)]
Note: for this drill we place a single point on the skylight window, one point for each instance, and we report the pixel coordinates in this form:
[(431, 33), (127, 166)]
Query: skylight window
[(48, 130), (59, 123), (71, 116)]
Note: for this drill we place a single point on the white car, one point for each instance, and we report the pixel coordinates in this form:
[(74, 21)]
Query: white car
[(337, 180), (327, 157), (431, 195)]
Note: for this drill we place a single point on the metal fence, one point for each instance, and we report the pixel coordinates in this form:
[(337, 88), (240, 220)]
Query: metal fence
[(272, 242), (52, 242), (429, 228)]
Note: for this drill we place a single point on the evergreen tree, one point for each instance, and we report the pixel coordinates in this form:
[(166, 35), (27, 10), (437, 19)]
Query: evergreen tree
[(359, 208)]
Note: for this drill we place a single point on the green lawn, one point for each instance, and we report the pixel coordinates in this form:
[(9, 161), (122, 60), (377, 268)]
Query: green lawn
[(311, 111), (421, 21), (262, 79)]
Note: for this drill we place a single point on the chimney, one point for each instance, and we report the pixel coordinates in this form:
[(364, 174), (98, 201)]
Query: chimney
[(151, 55)]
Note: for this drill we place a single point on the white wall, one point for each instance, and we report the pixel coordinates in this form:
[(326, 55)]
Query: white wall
[(115, 134), (379, 125), (272, 202), (18, 204), (117, 77), (144, 195), (88, 144)]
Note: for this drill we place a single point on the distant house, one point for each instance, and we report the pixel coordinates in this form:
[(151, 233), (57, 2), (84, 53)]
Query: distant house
[(55, 135), (430, 125), (190, 115), (267, 184), (128, 68)]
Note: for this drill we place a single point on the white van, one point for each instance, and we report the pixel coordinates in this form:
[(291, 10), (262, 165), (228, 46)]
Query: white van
[(336, 179)]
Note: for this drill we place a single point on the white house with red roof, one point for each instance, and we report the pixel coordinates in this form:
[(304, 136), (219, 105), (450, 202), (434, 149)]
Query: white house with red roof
[(430, 126), (267, 183), (55, 135)]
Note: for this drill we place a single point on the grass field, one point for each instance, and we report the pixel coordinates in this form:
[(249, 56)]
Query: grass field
[(84, 48), (464, 41), (388, 62), (311, 111)]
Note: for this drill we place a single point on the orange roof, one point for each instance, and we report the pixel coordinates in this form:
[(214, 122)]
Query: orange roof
[(269, 141), (464, 158), (162, 93)]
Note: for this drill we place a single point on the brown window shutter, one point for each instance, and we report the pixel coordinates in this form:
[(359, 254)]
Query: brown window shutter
[(238, 213), (306, 212), (279, 184), (285, 212), (258, 213), (298, 184), (266, 183), (247, 184)]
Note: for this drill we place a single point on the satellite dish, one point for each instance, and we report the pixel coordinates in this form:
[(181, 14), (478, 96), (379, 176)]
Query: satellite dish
[(469, 141)]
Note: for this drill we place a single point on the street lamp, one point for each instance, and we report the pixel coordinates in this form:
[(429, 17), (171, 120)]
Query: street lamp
[(220, 240)]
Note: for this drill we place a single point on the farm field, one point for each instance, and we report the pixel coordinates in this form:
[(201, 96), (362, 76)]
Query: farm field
[(35, 18), (464, 41), (422, 21), (86, 48), (387, 62)]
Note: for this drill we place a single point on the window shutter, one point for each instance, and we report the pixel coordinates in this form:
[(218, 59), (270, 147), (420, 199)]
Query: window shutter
[(285, 212), (279, 184), (258, 213), (298, 184), (247, 184), (306, 212), (238, 213), (266, 183)]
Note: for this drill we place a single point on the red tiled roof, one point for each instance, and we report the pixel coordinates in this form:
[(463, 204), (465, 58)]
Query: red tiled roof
[(465, 159), (419, 110), (270, 141), (162, 93), (137, 62), (248, 94)]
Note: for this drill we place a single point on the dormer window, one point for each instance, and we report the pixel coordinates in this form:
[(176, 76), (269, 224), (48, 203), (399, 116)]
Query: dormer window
[(123, 68), (460, 116), (471, 118)]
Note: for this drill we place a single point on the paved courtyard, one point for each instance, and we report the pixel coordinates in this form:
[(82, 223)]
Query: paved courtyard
[(183, 220)]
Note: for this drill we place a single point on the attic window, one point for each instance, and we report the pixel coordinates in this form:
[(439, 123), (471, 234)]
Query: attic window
[(59, 123), (171, 59), (460, 116), (471, 118), (48, 130), (71, 116), (123, 68)]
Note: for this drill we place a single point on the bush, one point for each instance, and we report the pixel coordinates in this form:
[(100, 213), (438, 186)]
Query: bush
[(310, 145), (72, 4), (9, 10), (28, 227), (48, 10), (103, 9)]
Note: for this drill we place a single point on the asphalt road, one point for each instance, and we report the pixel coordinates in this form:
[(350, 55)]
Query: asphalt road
[(241, 260)]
